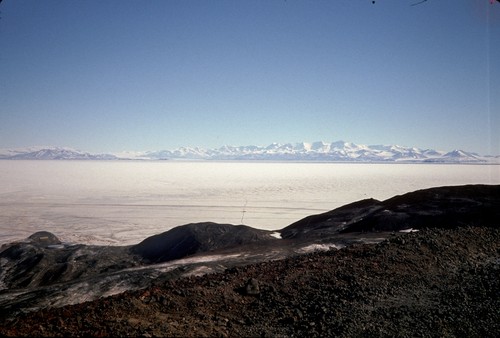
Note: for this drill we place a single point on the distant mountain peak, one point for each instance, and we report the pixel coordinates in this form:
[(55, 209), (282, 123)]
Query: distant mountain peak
[(52, 153), (318, 151)]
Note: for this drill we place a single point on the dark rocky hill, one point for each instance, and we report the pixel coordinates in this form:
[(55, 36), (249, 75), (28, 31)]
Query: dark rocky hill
[(432, 283), (441, 207), (211, 279), (189, 239)]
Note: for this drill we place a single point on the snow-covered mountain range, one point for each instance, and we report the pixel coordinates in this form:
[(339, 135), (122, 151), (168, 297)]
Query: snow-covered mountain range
[(51, 153), (339, 151)]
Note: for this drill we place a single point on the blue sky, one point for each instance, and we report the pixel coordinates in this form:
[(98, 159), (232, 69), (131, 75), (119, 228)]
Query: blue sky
[(107, 76)]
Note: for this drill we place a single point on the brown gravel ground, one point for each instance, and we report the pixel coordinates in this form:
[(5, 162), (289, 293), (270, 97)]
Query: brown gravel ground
[(432, 283)]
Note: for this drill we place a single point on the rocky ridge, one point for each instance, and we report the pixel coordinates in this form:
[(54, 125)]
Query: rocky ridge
[(432, 283), (228, 280)]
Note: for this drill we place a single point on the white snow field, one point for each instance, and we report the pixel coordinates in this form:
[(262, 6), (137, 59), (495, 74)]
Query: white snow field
[(123, 202)]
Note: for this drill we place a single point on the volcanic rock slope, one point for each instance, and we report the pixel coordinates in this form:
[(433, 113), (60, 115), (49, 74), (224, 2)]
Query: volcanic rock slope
[(432, 283), (440, 281)]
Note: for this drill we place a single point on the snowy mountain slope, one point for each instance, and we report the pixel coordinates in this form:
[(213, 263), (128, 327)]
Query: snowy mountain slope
[(458, 156), (52, 153), (338, 151)]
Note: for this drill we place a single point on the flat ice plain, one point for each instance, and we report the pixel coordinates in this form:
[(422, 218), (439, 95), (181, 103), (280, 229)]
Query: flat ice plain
[(123, 202)]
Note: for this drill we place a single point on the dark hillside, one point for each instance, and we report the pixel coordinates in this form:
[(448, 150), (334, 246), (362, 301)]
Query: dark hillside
[(189, 239), (210, 279), (433, 283)]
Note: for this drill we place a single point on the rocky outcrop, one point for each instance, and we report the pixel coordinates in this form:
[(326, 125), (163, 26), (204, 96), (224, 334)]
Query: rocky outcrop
[(42, 272), (432, 283), (441, 207), (44, 238), (332, 222), (42, 260), (194, 238)]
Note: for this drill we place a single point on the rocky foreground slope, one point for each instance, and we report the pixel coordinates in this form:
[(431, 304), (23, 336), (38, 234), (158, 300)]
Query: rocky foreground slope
[(440, 281)]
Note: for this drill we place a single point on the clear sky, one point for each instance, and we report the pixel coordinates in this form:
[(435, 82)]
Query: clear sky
[(105, 76)]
